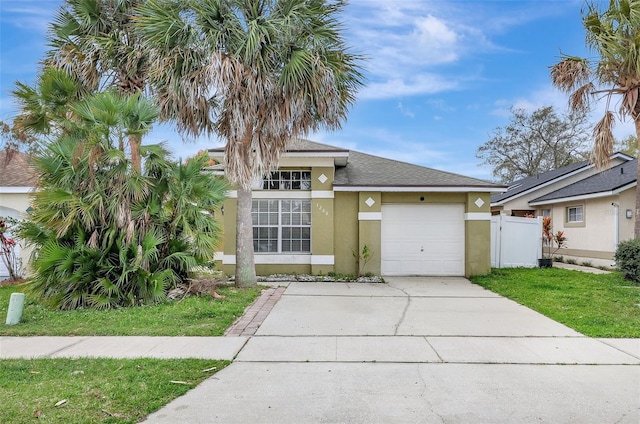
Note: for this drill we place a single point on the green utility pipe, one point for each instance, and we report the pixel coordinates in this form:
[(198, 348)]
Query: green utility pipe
[(16, 305)]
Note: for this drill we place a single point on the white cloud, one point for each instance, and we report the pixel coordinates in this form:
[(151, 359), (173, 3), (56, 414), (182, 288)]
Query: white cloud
[(420, 84), (405, 111), (31, 15)]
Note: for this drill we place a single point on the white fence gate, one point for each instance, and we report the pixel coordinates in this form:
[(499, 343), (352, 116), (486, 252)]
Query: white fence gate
[(515, 241)]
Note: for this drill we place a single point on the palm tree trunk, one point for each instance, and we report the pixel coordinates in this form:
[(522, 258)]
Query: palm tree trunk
[(245, 264), (134, 145), (636, 226)]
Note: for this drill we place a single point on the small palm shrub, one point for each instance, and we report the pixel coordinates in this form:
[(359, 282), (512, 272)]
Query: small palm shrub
[(628, 259), (106, 235)]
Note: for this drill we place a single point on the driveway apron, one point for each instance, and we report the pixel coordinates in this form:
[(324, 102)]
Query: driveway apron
[(426, 349)]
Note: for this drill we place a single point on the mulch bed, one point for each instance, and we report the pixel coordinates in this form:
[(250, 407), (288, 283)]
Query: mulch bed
[(8, 282)]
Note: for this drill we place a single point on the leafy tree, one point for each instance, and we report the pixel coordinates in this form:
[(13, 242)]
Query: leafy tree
[(269, 70), (628, 145), (106, 235), (612, 34), (535, 142)]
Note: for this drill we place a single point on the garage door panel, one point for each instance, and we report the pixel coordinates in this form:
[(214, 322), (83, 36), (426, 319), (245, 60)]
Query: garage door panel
[(423, 239)]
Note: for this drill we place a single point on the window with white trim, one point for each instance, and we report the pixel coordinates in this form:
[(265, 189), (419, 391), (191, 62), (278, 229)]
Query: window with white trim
[(575, 214), (288, 180), (281, 226), (546, 212)]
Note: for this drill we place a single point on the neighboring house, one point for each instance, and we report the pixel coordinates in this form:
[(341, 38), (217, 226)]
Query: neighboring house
[(515, 201), (325, 204), (595, 213), (17, 180)]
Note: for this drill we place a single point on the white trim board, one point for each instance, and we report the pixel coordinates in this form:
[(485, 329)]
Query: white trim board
[(477, 216), (15, 190), (419, 189), (584, 196), (281, 259), (369, 216)]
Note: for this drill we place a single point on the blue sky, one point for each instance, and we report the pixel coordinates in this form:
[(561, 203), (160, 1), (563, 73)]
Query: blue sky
[(441, 75)]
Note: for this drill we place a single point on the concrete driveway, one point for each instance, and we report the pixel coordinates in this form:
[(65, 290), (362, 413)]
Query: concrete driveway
[(424, 350)]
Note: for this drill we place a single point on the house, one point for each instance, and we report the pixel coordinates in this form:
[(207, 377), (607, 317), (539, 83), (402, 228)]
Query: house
[(515, 201), (17, 180), (595, 213), (325, 204)]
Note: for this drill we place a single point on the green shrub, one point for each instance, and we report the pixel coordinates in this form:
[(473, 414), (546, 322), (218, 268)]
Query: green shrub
[(106, 235), (628, 259), (572, 261)]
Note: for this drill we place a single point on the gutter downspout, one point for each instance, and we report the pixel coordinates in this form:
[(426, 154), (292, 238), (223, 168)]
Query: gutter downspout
[(616, 224)]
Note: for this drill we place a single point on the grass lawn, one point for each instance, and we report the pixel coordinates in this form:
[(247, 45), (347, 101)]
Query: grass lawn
[(596, 305), (95, 390), (192, 316)]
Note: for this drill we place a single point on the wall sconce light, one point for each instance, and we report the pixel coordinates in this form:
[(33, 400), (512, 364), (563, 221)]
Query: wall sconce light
[(629, 213), (222, 210)]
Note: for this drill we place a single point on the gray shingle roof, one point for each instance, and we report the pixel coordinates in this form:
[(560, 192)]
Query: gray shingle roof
[(606, 181), (368, 170), (364, 170), (528, 183), (302, 145), (16, 170)]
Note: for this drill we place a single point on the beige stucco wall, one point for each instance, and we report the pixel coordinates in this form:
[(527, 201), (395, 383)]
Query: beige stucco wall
[(12, 204), (594, 239), (17, 201)]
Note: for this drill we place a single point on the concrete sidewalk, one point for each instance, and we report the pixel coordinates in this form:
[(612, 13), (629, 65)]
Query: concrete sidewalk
[(121, 347), (415, 350)]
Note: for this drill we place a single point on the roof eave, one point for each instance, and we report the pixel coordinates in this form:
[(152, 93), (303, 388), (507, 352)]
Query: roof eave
[(542, 185), (586, 196), (420, 188)]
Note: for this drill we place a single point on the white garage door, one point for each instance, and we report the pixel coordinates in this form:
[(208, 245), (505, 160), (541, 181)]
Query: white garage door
[(422, 239)]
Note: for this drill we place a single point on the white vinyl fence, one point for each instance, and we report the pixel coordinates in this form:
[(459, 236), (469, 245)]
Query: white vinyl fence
[(515, 241)]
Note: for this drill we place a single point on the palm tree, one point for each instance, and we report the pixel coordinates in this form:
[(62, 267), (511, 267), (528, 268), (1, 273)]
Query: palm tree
[(106, 235), (94, 41), (270, 72), (613, 35)]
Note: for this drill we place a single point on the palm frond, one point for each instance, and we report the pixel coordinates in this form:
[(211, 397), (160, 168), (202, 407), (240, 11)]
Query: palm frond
[(604, 141)]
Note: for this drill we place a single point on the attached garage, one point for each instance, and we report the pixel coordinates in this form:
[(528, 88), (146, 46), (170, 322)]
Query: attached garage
[(424, 239), (369, 214)]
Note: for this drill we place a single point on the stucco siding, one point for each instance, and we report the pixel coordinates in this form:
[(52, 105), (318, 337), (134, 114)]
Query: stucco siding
[(597, 233), (17, 201), (346, 232)]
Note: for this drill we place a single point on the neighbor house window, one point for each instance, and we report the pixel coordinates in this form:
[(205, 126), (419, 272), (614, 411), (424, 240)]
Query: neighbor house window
[(281, 226), (546, 212), (288, 180), (575, 214)]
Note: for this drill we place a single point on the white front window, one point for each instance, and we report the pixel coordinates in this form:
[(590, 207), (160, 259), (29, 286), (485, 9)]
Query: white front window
[(575, 214), (281, 226), (288, 180)]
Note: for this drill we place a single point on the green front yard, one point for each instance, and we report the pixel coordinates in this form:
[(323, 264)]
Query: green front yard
[(596, 305), (95, 390), (192, 316)]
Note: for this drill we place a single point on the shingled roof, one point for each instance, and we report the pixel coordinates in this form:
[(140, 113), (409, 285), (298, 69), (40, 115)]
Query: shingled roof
[(605, 183), (16, 170), (357, 169), (364, 170), (527, 183)]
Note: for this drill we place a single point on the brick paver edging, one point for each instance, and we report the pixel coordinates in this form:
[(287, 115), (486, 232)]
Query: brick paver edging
[(255, 314)]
